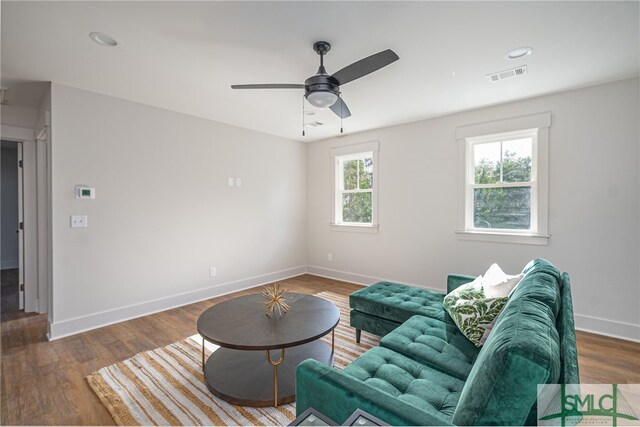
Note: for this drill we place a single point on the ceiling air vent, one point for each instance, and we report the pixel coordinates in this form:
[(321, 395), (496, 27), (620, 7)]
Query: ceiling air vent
[(313, 124), (507, 74)]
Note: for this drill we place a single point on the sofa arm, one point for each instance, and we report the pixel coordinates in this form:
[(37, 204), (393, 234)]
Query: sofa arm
[(456, 280), (337, 395)]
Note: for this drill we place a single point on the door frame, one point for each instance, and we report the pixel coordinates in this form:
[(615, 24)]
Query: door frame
[(20, 230), (29, 212), (43, 144)]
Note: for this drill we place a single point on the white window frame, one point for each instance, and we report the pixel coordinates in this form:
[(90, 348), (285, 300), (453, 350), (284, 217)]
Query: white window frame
[(532, 183), (339, 154), (535, 127)]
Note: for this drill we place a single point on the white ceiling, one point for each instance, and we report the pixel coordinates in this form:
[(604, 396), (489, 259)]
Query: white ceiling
[(183, 56)]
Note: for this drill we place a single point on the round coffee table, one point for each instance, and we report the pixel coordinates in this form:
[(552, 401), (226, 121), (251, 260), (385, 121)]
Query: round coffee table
[(242, 371)]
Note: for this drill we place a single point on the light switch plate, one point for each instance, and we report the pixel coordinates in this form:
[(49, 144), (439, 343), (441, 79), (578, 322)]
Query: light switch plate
[(238, 182), (79, 221), (230, 181)]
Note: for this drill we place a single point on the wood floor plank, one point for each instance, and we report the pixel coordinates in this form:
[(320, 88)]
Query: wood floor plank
[(43, 383)]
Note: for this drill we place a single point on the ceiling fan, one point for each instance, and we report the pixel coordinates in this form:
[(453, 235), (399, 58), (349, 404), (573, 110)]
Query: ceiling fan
[(323, 90)]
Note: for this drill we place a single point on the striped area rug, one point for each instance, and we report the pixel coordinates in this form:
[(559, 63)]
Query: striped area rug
[(165, 386)]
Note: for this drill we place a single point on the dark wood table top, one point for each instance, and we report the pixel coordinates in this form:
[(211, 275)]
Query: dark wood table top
[(242, 324)]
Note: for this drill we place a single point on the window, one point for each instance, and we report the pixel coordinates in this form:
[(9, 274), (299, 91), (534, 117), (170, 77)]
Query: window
[(501, 183), (504, 184), (355, 192), (354, 189)]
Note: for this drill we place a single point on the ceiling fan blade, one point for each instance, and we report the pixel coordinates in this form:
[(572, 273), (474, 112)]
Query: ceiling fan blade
[(340, 108), (268, 86), (365, 66)]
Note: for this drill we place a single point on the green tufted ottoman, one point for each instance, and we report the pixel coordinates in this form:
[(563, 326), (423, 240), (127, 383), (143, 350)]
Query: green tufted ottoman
[(382, 307)]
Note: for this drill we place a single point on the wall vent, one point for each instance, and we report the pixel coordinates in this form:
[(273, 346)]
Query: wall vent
[(3, 95), (507, 74)]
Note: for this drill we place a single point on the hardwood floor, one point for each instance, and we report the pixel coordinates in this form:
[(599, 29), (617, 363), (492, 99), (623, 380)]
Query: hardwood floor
[(9, 309), (43, 382)]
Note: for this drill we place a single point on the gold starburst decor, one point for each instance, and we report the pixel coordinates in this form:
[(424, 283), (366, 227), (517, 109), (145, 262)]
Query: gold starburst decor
[(274, 299)]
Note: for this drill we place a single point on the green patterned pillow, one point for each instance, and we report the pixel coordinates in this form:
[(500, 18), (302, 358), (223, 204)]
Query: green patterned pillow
[(473, 312), (475, 306)]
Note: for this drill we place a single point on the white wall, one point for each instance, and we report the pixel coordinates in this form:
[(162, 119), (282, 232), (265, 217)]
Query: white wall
[(593, 197), (15, 115), (163, 213), (9, 203)]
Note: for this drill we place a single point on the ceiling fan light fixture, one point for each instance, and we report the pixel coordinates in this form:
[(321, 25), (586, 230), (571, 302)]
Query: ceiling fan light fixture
[(322, 99)]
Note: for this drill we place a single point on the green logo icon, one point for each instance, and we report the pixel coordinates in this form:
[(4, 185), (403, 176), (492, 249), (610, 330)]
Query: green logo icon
[(588, 404)]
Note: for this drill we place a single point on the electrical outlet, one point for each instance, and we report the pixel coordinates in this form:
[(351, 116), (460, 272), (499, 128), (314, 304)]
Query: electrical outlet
[(329, 257), (79, 221), (238, 182), (212, 272)]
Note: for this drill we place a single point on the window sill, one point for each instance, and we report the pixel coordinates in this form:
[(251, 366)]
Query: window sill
[(354, 228), (501, 237)]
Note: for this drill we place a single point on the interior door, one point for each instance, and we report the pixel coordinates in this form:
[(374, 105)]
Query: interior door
[(20, 230)]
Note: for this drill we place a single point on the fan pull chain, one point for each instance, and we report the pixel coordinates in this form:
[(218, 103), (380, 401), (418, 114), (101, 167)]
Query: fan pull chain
[(341, 104), (302, 115)]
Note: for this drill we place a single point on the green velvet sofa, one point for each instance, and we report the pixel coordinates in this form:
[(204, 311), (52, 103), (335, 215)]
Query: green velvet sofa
[(425, 372)]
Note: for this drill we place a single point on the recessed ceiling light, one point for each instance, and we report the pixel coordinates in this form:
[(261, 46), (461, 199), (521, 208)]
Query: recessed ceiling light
[(519, 52), (103, 39)]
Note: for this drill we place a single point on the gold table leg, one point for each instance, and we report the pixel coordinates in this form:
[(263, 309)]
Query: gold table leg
[(275, 374)]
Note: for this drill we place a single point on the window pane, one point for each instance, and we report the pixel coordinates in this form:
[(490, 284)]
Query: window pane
[(486, 162), (516, 160), (508, 208), (366, 173), (356, 207), (350, 168)]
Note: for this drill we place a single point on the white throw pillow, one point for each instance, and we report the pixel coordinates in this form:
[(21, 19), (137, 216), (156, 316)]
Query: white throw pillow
[(499, 284)]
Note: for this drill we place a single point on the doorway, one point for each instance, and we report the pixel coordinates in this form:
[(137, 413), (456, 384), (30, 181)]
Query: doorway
[(11, 300), (11, 232)]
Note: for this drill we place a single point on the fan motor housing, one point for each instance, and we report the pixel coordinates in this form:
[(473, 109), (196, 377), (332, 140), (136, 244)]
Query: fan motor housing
[(321, 83)]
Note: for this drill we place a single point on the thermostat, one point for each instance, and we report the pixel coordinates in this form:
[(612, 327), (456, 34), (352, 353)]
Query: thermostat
[(83, 192)]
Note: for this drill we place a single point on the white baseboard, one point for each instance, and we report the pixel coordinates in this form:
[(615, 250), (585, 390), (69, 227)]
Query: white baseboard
[(360, 279), (609, 328), (6, 264), (592, 324), (595, 325), (97, 320)]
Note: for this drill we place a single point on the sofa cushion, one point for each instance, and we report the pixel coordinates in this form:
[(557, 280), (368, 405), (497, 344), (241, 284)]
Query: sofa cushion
[(541, 283), (435, 343), (398, 302), (422, 387), (522, 351), (542, 265)]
